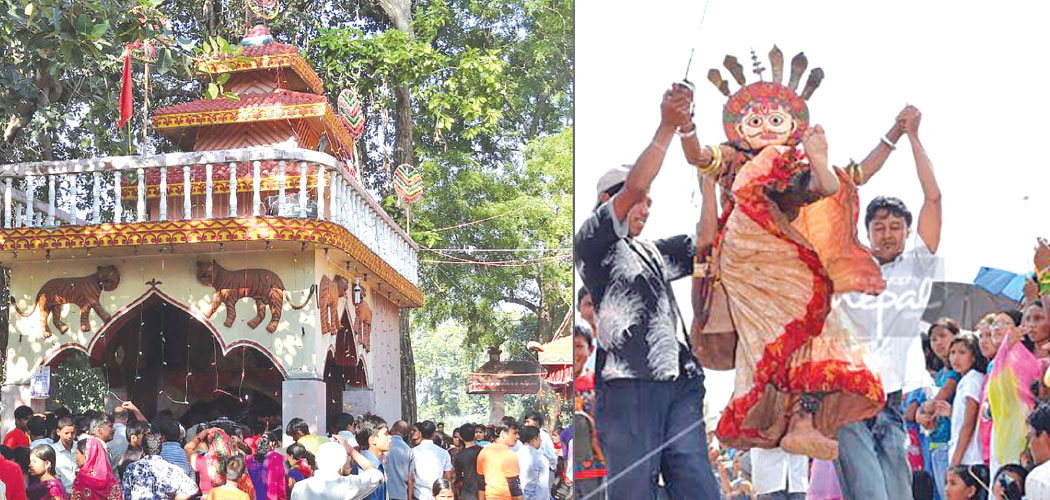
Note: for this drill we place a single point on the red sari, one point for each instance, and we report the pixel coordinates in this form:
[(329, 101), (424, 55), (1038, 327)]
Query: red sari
[(95, 479)]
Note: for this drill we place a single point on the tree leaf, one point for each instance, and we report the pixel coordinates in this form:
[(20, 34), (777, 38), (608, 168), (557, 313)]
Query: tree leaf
[(223, 78), (99, 29), (231, 96), (213, 91), (83, 24), (29, 9)]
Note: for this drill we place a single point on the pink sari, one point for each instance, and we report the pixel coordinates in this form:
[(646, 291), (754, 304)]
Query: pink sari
[(95, 480)]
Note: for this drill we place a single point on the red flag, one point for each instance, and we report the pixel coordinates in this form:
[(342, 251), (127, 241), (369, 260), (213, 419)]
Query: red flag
[(125, 91)]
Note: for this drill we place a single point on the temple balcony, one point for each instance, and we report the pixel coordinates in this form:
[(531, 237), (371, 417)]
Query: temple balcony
[(249, 199)]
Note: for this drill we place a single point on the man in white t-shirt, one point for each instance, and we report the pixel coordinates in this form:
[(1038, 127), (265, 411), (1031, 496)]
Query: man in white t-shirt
[(779, 475), (431, 463), (873, 462), (1037, 484)]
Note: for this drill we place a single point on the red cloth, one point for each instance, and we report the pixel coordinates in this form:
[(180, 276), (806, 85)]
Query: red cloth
[(95, 479), (11, 475), (16, 438), (126, 103)]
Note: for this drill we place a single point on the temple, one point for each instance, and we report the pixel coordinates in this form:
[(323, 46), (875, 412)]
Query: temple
[(251, 274)]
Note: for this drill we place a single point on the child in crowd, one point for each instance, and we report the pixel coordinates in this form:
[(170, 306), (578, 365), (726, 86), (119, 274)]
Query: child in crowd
[(984, 412), (967, 482), (300, 464), (966, 359), (233, 468), (941, 334), (443, 490)]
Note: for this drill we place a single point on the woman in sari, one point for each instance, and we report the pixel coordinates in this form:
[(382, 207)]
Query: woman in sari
[(266, 469), (95, 479), (44, 485), (768, 268)]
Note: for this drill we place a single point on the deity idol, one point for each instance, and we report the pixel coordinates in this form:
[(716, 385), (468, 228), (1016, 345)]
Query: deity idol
[(767, 269)]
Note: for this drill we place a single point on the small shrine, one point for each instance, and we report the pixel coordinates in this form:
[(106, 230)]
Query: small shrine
[(497, 378), (251, 273)]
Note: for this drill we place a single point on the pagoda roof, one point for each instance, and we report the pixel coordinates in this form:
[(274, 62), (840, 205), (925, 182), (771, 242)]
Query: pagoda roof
[(280, 104), (252, 107), (273, 55)]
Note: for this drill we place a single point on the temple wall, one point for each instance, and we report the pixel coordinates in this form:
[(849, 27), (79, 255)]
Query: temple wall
[(293, 350), (382, 360), (386, 359)]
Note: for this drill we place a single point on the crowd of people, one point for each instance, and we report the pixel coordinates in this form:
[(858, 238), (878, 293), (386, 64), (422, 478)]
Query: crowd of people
[(123, 455), (830, 398)]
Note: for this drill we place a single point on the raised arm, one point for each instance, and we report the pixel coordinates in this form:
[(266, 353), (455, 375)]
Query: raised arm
[(674, 112), (128, 405), (930, 215), (872, 163)]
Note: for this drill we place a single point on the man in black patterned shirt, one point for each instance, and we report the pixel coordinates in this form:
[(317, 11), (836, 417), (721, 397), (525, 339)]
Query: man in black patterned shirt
[(650, 385)]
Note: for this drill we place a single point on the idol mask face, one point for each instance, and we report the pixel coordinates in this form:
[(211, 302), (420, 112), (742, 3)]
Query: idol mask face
[(766, 126)]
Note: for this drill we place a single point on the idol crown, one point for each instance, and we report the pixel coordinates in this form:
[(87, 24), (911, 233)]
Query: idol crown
[(776, 61)]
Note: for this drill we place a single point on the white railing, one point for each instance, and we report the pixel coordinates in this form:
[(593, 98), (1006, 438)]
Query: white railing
[(335, 195)]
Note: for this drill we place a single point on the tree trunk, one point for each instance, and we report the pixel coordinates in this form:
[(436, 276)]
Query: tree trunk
[(408, 370), (400, 13)]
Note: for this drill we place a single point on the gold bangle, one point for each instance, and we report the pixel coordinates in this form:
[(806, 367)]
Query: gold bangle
[(856, 173), (716, 161)]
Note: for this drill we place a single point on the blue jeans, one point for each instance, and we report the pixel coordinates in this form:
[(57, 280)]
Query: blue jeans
[(782, 495), (873, 458), (939, 463), (649, 429)]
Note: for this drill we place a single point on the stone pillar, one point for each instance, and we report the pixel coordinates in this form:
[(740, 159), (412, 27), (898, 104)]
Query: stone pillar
[(496, 407), (304, 398)]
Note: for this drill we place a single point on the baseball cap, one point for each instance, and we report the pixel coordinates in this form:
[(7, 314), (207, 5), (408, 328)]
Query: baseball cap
[(612, 177)]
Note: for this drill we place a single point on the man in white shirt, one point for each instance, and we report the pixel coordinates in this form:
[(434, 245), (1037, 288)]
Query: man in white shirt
[(535, 419), (873, 461), (533, 465), (327, 483), (779, 475), (431, 463)]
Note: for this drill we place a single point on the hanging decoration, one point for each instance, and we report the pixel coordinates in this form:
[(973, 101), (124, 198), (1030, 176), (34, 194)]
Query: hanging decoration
[(352, 116), (264, 9), (350, 112), (408, 184)]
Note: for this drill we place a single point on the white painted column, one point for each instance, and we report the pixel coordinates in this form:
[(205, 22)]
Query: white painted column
[(207, 191), (163, 206), (256, 195), (233, 190), (305, 399), (281, 165), (187, 190)]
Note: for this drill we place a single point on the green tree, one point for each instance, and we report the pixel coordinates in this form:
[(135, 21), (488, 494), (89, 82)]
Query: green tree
[(78, 386)]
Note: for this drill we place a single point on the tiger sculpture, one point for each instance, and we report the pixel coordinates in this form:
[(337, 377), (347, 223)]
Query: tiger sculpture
[(329, 291), (264, 286), (83, 291)]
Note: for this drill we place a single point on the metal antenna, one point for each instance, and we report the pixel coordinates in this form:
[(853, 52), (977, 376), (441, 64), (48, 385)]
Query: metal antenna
[(691, 51)]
